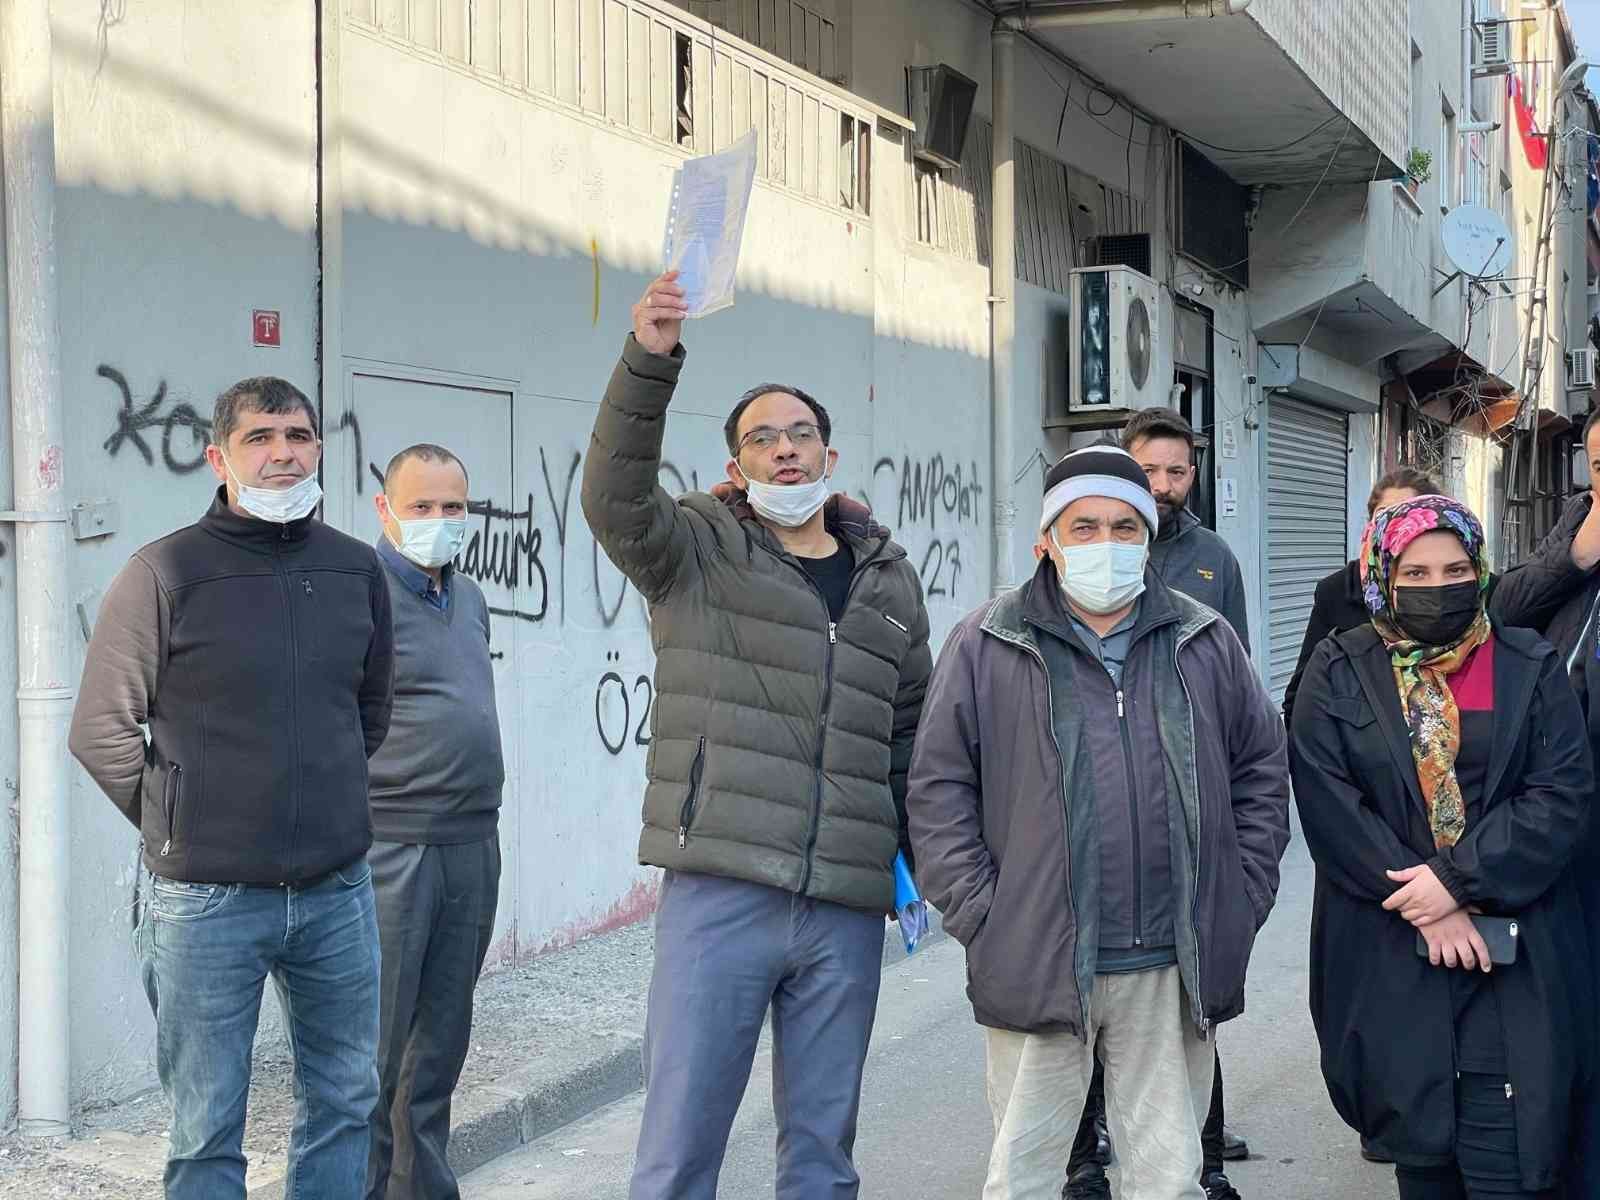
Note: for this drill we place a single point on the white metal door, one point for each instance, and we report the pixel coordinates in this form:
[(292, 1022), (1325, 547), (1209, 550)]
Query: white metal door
[(1307, 464), (475, 425)]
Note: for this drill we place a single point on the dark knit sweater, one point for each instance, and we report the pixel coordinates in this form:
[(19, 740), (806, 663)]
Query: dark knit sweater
[(437, 778)]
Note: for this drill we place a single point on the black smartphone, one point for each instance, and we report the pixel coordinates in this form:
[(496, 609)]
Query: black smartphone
[(1499, 934)]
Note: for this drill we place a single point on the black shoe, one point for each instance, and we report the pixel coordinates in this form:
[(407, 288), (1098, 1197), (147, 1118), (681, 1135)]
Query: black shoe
[(1234, 1147), (1088, 1182), (1372, 1154), (1102, 1141), (1217, 1187)]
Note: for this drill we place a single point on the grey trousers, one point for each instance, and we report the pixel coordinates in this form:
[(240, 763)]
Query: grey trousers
[(1158, 1089), (435, 919), (726, 951)]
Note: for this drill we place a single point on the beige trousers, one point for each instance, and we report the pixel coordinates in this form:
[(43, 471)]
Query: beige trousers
[(1158, 1090)]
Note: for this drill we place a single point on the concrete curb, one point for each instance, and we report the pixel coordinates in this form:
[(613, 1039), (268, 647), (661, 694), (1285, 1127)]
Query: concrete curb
[(493, 1119)]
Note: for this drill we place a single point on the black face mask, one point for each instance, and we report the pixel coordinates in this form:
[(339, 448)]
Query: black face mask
[(1437, 616)]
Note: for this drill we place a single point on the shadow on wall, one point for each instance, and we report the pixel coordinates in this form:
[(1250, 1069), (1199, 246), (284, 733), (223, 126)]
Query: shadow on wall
[(417, 192), (159, 277)]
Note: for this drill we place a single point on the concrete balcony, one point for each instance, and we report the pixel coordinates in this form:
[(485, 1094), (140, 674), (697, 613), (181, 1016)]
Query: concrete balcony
[(1355, 272), (1288, 86)]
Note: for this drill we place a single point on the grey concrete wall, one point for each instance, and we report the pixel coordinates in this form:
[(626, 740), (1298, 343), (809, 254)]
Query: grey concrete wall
[(186, 199), (490, 245)]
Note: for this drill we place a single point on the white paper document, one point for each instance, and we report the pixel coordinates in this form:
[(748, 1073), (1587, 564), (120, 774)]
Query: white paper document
[(705, 224)]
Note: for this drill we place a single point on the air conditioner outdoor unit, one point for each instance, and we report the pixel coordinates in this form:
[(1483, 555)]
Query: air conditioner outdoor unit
[(1580, 368), (1115, 313), (1495, 45)]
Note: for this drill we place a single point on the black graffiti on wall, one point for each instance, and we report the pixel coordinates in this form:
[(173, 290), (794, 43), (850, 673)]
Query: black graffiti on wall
[(511, 547), (614, 709), (941, 567), (928, 488), (133, 422), (185, 434)]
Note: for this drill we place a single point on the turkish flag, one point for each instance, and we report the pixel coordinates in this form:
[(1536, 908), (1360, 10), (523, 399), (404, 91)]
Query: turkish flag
[(1534, 144)]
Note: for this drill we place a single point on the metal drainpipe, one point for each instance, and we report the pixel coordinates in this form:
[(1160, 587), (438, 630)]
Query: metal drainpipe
[(45, 688), (1003, 310), (1114, 12)]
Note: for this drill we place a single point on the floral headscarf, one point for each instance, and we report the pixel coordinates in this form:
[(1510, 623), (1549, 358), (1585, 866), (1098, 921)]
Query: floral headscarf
[(1421, 672)]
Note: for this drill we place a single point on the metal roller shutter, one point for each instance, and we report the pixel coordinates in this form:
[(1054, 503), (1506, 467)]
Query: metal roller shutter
[(1307, 453)]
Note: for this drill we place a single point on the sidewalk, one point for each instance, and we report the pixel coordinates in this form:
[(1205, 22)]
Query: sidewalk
[(552, 1040)]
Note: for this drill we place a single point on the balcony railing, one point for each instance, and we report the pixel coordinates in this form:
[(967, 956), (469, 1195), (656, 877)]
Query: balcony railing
[(656, 71)]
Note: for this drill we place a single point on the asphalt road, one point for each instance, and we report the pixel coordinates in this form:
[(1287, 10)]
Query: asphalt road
[(925, 1126)]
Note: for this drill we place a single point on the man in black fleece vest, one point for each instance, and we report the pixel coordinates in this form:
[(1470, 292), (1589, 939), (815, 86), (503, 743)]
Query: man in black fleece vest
[(256, 646)]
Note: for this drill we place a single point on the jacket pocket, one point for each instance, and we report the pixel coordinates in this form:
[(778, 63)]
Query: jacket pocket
[(1353, 711), (686, 813), (171, 800)]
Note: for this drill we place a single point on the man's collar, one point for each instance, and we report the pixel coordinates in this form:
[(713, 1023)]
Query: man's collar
[(413, 576), (1129, 620)]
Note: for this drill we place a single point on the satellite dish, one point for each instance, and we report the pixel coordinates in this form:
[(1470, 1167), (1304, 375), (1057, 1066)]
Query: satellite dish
[(1476, 241)]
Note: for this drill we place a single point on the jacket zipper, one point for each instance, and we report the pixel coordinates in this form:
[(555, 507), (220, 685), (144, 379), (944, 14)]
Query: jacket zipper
[(175, 787), (1066, 819), (814, 829), (294, 710), (1199, 1002), (686, 813), (1133, 821)]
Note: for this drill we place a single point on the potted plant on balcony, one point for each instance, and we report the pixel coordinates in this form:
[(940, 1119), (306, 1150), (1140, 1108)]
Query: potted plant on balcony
[(1419, 169)]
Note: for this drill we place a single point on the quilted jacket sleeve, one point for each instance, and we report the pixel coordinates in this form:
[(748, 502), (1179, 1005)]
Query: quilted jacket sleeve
[(641, 528)]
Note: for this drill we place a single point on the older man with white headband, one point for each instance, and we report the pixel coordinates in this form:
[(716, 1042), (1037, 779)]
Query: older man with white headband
[(1098, 801)]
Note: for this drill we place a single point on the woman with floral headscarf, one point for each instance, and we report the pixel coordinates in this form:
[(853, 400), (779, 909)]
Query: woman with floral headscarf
[(1442, 775)]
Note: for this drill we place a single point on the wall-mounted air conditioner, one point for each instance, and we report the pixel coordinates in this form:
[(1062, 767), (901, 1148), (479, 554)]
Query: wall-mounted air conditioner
[(941, 106), (1115, 314), (1580, 368), (1494, 49)]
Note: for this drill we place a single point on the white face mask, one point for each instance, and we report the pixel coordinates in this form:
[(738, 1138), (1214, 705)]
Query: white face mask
[(1103, 577), (280, 507), (787, 504), (431, 542)]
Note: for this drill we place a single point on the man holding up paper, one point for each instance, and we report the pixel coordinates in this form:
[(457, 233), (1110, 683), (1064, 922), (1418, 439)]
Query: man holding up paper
[(791, 658), (1098, 801)]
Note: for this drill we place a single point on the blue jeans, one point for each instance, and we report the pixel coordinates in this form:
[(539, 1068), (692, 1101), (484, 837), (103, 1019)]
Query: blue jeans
[(206, 950)]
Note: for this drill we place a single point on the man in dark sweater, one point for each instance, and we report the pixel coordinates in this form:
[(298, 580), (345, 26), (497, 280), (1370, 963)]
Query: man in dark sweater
[(256, 646), (435, 813)]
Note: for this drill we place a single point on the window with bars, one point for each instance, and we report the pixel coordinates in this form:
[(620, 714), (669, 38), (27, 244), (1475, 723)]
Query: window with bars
[(797, 32), (641, 66)]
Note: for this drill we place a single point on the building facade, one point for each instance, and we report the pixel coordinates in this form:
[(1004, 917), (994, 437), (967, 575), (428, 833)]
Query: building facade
[(436, 215)]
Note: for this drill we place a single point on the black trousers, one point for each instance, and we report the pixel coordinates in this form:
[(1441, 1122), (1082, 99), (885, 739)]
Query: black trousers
[(436, 909), (1094, 1109), (1486, 1150)]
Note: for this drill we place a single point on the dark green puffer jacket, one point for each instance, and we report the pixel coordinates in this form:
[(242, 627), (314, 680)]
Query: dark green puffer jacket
[(780, 743)]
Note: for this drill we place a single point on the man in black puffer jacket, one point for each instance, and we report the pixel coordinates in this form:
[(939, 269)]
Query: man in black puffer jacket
[(791, 658), (256, 645)]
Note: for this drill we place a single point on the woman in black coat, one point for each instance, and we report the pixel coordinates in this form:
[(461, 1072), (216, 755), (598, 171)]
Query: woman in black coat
[(1467, 797), (1337, 605)]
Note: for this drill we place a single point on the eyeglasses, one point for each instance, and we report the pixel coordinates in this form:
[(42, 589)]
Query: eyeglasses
[(801, 435)]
